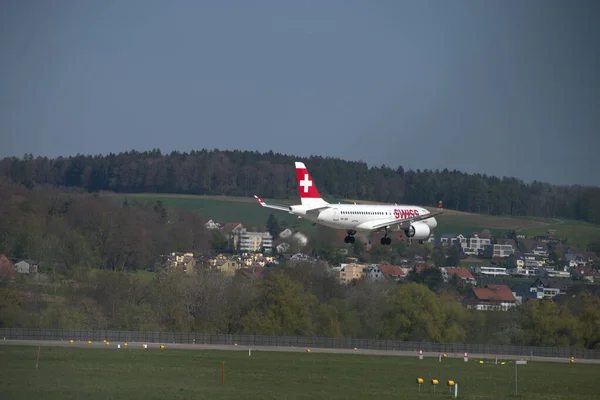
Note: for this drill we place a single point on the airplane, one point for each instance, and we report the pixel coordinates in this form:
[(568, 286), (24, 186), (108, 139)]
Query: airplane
[(416, 222)]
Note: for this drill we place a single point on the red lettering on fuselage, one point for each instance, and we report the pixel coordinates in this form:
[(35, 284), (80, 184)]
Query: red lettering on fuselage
[(405, 213)]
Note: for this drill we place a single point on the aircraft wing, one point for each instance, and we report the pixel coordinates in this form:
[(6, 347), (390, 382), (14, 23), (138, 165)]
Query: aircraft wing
[(273, 206), (405, 223)]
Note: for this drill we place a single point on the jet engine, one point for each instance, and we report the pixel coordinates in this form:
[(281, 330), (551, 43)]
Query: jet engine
[(418, 230)]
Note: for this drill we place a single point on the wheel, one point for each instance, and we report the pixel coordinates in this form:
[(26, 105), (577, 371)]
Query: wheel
[(383, 241), (347, 239), (389, 241), (352, 239)]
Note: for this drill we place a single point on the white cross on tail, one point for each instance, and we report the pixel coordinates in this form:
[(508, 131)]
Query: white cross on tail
[(306, 183)]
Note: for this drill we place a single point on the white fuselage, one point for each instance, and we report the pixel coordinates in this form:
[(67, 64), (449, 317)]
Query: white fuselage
[(361, 217)]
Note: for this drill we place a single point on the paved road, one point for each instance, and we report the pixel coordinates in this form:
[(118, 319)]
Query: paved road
[(138, 345)]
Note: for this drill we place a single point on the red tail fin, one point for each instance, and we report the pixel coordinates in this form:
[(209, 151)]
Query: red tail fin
[(308, 190)]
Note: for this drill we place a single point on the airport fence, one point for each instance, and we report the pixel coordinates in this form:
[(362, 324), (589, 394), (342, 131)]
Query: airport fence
[(295, 341)]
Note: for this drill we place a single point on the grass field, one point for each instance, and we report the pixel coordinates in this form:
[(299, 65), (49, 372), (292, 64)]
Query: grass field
[(247, 211), (100, 373)]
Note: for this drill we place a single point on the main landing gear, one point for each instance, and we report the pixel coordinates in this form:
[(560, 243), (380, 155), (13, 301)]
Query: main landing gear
[(385, 240), (350, 238)]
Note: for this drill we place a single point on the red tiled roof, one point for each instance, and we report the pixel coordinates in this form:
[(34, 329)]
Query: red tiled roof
[(462, 273), (391, 270), (494, 293)]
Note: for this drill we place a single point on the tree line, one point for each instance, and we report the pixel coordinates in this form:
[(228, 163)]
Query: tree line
[(244, 173), (294, 300)]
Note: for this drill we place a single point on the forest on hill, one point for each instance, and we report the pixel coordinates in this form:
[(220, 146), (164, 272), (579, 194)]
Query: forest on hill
[(244, 173)]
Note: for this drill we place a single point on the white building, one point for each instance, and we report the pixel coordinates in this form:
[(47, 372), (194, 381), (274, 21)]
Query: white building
[(256, 241), (498, 250), (492, 271)]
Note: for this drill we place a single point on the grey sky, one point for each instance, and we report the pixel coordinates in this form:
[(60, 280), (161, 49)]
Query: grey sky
[(500, 87)]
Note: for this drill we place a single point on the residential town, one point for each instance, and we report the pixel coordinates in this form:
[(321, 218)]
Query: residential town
[(499, 273)]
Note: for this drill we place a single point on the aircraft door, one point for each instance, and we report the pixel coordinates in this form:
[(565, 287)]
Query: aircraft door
[(336, 214)]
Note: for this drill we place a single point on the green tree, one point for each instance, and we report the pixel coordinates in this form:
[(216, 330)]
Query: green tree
[(273, 226), (545, 323), (412, 312), (590, 321), (281, 308)]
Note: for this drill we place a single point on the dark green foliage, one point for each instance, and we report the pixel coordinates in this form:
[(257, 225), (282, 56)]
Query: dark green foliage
[(243, 173)]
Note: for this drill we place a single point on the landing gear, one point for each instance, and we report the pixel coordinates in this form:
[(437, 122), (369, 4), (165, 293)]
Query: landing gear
[(350, 238), (385, 240)]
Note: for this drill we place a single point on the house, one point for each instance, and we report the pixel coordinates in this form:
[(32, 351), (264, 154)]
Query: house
[(453, 239), (181, 261), (573, 260), (491, 271), (540, 251), (526, 292), (210, 224), (475, 244), (502, 249), (491, 297), (350, 272), (585, 273), (255, 241), (233, 231), (26, 267), (7, 269), (282, 247), (548, 288), (590, 257), (460, 273), (392, 273), (515, 260)]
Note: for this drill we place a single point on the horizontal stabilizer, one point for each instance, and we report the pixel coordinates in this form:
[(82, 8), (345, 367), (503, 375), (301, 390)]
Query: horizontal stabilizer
[(273, 206)]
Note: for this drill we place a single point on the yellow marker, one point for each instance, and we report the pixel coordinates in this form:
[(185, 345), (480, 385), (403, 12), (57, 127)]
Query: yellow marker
[(480, 361), (162, 347), (420, 381), (444, 355), (450, 383), (308, 350), (107, 343), (71, 341), (89, 342), (124, 344), (434, 382)]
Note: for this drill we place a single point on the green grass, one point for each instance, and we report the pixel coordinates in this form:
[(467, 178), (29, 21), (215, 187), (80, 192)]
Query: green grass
[(576, 232), (229, 209), (73, 373), (246, 210)]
